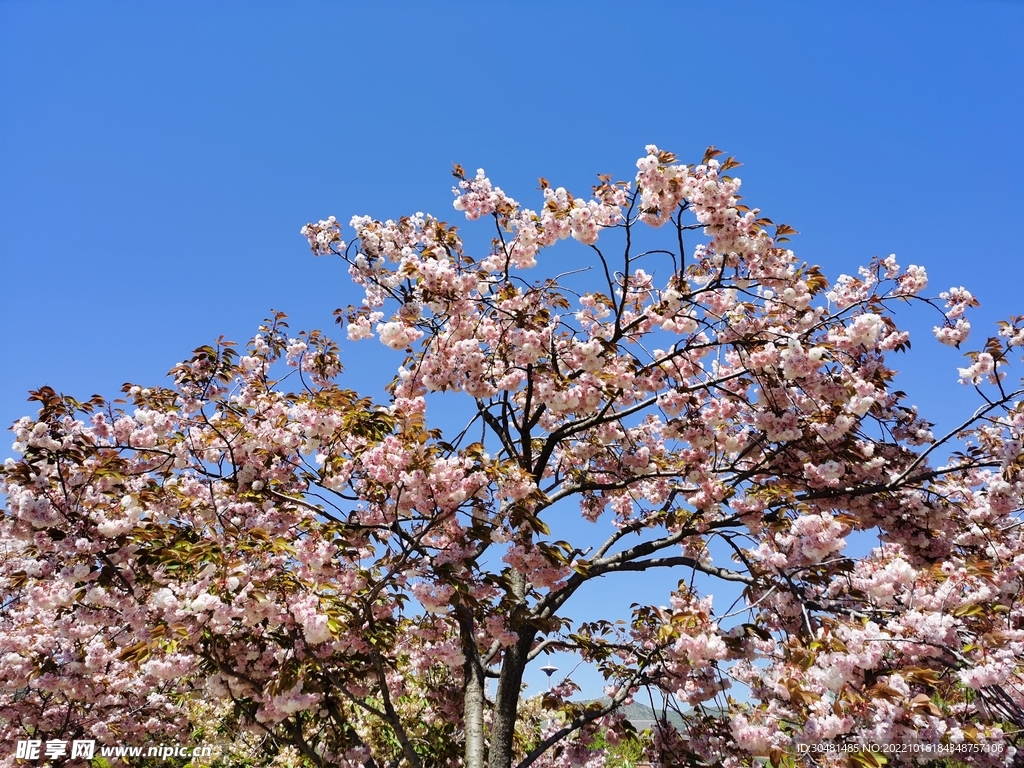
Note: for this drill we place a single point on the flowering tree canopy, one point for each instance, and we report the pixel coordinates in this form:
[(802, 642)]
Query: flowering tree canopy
[(256, 551)]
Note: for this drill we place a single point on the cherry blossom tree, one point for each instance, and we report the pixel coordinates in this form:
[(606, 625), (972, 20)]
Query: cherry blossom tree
[(254, 552)]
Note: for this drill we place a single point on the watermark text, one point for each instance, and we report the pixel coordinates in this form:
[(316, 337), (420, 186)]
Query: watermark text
[(33, 750), (916, 748)]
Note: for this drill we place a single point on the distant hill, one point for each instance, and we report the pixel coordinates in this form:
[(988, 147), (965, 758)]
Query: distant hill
[(643, 717)]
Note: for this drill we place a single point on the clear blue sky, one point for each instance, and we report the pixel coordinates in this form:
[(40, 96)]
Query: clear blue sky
[(158, 159)]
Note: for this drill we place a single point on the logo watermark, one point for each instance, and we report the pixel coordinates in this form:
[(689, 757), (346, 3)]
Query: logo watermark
[(33, 750)]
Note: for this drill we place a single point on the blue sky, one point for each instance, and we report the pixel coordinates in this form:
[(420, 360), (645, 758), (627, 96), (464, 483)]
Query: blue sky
[(158, 159)]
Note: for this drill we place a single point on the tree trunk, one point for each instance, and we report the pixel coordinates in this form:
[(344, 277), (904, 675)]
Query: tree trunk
[(473, 712), (474, 698), (506, 704)]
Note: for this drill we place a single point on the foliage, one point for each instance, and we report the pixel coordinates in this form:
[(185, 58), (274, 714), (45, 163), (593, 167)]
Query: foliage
[(256, 550)]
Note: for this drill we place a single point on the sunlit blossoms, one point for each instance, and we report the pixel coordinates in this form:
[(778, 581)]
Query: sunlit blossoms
[(253, 553)]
